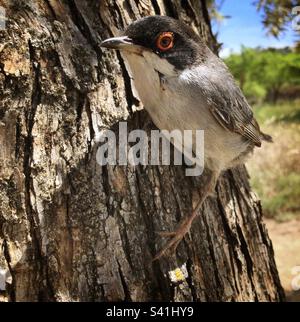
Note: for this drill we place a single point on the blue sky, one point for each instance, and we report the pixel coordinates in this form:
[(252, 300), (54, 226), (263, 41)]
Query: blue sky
[(245, 28)]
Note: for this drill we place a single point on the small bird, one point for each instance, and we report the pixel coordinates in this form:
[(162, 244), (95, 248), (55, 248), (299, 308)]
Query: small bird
[(183, 85)]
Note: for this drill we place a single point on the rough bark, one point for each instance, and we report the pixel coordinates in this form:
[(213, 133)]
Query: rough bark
[(72, 230)]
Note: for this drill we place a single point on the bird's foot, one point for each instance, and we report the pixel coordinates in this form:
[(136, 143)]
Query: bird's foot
[(176, 237)]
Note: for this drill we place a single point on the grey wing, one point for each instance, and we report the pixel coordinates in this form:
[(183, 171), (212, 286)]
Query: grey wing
[(229, 106), (236, 115)]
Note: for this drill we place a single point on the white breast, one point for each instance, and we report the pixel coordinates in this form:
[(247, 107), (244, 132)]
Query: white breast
[(177, 105)]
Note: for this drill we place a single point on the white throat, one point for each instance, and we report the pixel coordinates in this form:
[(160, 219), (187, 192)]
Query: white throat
[(145, 70)]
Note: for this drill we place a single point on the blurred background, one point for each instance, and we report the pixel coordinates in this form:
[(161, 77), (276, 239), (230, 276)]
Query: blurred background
[(260, 44)]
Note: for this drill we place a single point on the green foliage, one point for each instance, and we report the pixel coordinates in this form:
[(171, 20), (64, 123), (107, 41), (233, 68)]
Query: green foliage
[(287, 112), (276, 14), (275, 168), (255, 92), (263, 73)]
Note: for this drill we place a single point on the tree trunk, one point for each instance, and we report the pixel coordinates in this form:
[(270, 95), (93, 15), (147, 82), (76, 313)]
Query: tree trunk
[(73, 230)]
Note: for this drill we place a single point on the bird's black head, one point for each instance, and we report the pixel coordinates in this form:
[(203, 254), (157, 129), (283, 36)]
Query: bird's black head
[(168, 38)]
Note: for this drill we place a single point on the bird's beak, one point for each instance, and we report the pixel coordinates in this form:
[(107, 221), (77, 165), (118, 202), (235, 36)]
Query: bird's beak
[(118, 43)]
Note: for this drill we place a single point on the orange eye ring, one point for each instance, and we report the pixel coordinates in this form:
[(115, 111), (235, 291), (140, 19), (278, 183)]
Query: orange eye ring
[(165, 41)]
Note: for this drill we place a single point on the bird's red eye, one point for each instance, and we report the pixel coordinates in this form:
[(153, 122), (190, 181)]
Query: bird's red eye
[(165, 41)]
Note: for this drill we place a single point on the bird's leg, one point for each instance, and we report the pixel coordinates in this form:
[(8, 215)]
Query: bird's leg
[(185, 225)]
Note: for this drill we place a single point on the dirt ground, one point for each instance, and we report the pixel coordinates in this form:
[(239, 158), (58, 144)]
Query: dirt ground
[(286, 242)]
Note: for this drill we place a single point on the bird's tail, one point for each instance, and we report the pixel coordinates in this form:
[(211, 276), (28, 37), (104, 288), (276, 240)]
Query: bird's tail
[(266, 137)]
